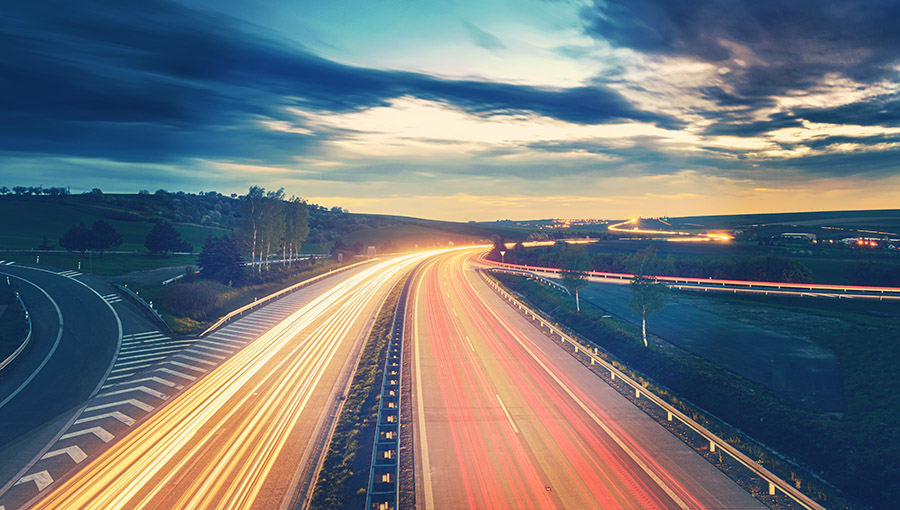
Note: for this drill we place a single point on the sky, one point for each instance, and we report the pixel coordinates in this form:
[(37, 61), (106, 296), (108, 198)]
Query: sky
[(461, 110)]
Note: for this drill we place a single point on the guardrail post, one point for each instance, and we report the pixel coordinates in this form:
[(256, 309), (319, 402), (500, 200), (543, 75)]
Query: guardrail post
[(771, 489), (637, 393), (712, 446), (612, 375), (669, 415)]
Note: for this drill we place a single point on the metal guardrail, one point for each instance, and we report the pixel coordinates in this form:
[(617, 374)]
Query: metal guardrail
[(735, 286), (12, 357), (240, 311), (715, 442), (384, 490), (145, 304)]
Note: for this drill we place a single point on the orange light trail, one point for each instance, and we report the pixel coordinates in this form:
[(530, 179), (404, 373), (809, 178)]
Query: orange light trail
[(619, 227)]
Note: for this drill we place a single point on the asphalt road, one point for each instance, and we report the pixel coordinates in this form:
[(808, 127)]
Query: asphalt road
[(235, 437), (793, 366), (75, 337), (504, 418)]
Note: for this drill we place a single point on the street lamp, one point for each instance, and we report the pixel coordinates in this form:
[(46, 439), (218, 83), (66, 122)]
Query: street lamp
[(502, 253)]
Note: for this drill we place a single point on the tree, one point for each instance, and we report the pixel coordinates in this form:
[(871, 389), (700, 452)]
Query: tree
[(220, 260), (104, 236), (163, 238), (648, 295), (251, 219), (77, 238), (574, 280), (272, 227), (296, 219)]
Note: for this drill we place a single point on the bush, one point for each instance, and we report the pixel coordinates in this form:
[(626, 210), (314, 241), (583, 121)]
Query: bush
[(196, 300)]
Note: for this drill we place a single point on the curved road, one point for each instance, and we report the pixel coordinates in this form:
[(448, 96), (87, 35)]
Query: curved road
[(76, 334), (504, 418)]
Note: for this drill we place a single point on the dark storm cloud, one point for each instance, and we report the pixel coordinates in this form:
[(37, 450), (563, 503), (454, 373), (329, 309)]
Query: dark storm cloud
[(765, 48), (153, 81)]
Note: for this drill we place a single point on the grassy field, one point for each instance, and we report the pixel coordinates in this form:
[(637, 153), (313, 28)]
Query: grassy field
[(229, 298), (858, 451), (108, 264), (344, 478), (24, 224)]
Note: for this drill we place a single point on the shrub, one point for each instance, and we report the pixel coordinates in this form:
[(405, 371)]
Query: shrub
[(196, 300)]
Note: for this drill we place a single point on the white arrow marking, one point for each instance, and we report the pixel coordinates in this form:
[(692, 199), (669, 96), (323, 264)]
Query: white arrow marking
[(42, 479), (97, 431), (148, 391), (133, 401), (73, 451), (127, 420)]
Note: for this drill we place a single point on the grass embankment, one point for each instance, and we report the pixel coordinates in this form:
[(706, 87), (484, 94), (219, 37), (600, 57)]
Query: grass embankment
[(344, 478), (858, 452), (13, 326), (26, 222), (108, 264), (186, 318)]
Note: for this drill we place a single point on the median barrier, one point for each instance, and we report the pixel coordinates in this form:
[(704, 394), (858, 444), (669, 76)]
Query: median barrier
[(640, 391)]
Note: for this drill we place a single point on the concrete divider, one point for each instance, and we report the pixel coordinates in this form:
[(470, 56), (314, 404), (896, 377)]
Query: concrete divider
[(715, 443)]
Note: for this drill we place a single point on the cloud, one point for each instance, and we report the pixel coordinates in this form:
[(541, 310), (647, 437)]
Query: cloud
[(483, 38), (154, 81)]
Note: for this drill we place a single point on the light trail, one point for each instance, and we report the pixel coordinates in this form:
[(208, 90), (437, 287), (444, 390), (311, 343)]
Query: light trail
[(620, 227), (234, 438), (514, 422)]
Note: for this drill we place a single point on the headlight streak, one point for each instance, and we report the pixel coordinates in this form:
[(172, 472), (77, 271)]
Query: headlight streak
[(216, 445)]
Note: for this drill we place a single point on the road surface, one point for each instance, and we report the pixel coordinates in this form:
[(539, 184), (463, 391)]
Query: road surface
[(235, 438), (504, 418)]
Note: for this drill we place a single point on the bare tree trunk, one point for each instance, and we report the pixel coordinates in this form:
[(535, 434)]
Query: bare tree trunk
[(644, 327), (577, 302)]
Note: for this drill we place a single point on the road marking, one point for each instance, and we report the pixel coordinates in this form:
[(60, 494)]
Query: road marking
[(508, 417), (177, 374), (128, 365), (76, 453), (160, 380), (148, 391), (97, 431), (122, 417), (193, 350), (42, 478), (470, 344), (420, 405), (214, 349), (133, 401), (628, 451), (52, 349), (198, 360), (454, 313), (191, 367)]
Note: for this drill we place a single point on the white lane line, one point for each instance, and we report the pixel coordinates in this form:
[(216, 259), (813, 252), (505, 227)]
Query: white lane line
[(195, 350), (129, 365), (454, 313), (420, 407), (118, 415), (133, 401), (42, 479), (177, 374), (198, 360), (470, 344), (142, 334), (149, 353), (159, 380), (213, 349), (584, 407), (508, 417), (76, 453), (182, 365), (219, 343), (144, 389), (97, 431)]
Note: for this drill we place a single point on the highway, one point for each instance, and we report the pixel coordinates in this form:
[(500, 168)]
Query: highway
[(235, 438), (504, 418)]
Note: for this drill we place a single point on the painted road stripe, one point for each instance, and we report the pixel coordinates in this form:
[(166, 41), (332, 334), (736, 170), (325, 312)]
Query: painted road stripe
[(148, 391), (218, 345), (198, 360), (508, 417), (122, 417), (139, 355), (193, 350), (97, 431), (42, 478), (470, 344), (159, 380), (130, 364), (177, 374), (74, 452), (133, 401), (191, 367), (142, 333)]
